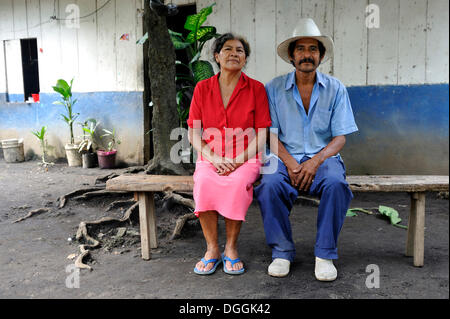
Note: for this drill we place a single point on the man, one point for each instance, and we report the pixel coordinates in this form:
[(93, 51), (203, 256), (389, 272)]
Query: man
[(312, 113)]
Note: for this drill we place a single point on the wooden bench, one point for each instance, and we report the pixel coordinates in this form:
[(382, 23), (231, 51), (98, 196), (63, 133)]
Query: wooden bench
[(144, 187)]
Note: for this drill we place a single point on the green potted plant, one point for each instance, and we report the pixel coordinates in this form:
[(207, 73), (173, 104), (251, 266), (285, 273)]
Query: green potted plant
[(87, 145), (107, 158), (65, 92), (43, 142)]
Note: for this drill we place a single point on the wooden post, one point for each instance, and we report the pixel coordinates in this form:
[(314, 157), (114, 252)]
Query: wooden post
[(416, 229), (147, 222)]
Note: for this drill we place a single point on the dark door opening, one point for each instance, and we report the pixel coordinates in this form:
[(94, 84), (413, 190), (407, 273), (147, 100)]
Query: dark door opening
[(30, 67), (176, 23)]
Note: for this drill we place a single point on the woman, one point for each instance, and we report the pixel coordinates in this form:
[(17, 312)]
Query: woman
[(232, 109)]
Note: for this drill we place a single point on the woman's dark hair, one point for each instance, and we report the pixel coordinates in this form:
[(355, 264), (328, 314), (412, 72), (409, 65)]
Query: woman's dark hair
[(322, 49), (220, 41)]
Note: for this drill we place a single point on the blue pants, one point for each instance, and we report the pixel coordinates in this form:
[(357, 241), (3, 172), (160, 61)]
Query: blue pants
[(276, 196)]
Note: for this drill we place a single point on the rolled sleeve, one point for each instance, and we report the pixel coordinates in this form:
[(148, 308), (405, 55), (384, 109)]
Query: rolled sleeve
[(342, 121)]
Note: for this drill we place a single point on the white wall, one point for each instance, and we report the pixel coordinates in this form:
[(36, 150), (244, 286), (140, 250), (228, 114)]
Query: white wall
[(92, 53), (410, 47)]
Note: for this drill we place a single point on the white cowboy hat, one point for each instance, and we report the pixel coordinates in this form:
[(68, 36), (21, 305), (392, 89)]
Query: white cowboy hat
[(306, 28)]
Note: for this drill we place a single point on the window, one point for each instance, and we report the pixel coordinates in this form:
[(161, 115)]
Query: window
[(21, 69)]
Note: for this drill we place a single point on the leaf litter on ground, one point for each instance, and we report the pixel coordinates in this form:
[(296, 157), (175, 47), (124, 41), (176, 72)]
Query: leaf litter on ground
[(386, 211)]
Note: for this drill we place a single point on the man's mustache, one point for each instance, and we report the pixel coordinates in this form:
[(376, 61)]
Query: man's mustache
[(307, 60)]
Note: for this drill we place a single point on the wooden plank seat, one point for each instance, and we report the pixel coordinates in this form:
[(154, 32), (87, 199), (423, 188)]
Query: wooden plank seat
[(144, 186)]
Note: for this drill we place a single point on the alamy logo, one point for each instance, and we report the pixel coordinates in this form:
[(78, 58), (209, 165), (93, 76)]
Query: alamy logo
[(373, 16), (373, 280), (73, 279), (73, 19)]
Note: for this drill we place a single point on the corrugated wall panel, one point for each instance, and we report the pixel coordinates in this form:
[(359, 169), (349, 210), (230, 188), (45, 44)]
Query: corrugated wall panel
[(437, 59), (50, 62), (412, 41), (264, 49), (383, 45), (410, 46), (322, 12), (350, 37), (242, 18), (87, 48), (287, 13), (106, 46)]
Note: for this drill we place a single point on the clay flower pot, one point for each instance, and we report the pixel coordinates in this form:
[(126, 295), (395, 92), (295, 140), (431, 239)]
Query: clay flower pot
[(106, 159), (72, 154)]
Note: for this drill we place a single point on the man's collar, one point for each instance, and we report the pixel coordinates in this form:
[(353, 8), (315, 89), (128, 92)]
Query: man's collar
[(290, 80)]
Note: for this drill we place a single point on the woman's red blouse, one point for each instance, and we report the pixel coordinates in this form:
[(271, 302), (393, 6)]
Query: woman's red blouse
[(235, 126)]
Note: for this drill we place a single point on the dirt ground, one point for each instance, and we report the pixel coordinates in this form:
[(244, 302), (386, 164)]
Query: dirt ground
[(34, 263)]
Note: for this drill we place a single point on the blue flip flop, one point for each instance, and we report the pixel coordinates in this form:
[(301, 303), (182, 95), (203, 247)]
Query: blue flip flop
[(206, 262), (232, 261)]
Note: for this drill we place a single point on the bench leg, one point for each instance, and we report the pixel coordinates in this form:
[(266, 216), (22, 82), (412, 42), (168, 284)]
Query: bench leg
[(147, 223), (416, 229)]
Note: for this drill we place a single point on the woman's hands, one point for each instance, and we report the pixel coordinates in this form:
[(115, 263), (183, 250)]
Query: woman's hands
[(224, 165)]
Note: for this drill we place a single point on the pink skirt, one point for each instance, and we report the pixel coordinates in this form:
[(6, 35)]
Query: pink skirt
[(229, 195)]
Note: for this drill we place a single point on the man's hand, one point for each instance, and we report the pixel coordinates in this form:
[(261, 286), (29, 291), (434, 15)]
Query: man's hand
[(293, 168), (305, 173)]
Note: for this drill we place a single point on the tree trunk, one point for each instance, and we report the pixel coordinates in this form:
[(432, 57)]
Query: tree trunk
[(163, 91)]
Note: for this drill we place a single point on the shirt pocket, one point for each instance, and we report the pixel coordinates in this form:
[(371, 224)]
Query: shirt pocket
[(322, 120)]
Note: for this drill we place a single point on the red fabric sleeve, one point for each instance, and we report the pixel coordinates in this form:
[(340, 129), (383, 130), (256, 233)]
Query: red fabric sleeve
[(195, 110), (262, 113)]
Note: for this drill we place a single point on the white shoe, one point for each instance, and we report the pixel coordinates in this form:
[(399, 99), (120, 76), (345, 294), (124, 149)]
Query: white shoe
[(325, 270), (279, 267)]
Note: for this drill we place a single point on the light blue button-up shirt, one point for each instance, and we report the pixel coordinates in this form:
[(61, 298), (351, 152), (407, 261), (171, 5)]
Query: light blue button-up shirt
[(330, 114)]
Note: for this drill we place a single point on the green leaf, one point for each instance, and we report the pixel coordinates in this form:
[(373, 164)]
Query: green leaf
[(36, 134), (193, 22), (392, 214), (59, 90), (185, 78), (179, 97), (195, 58), (203, 34), (63, 84), (64, 88), (362, 210), (350, 213), (178, 41), (202, 70), (65, 118)]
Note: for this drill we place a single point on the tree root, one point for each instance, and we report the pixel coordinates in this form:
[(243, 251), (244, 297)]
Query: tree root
[(172, 198), (120, 203), (82, 233), (181, 221), (104, 178), (99, 193), (134, 169), (32, 213), (63, 199)]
